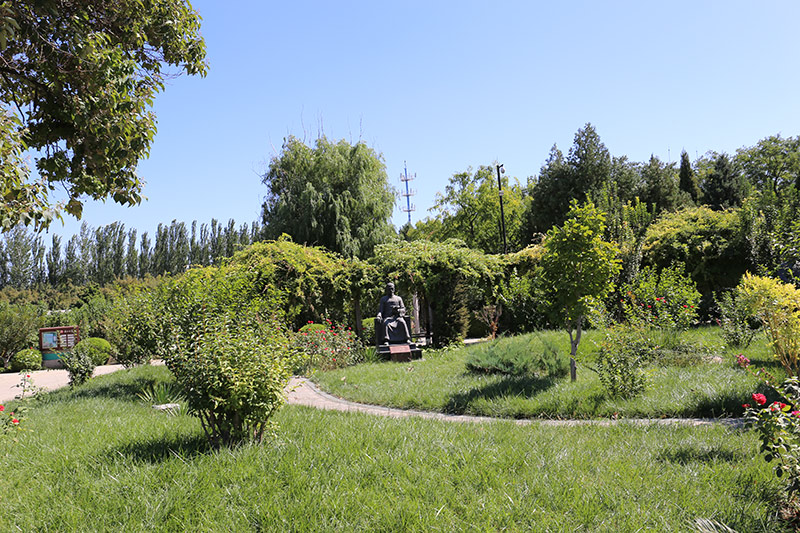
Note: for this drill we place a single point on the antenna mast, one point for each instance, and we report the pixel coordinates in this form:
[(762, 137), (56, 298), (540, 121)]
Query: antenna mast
[(405, 178)]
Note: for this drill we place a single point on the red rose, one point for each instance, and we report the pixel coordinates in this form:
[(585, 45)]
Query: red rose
[(746, 405), (760, 399), (2, 408), (14, 421)]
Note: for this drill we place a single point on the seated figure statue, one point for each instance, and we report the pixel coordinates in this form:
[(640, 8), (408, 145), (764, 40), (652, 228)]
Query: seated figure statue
[(391, 318)]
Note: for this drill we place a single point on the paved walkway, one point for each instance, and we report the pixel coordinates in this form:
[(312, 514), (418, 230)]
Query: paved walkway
[(301, 391)]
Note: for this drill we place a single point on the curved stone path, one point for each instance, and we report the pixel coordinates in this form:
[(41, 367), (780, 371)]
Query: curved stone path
[(301, 391)]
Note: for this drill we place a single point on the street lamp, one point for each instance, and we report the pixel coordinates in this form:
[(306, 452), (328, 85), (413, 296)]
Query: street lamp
[(500, 169)]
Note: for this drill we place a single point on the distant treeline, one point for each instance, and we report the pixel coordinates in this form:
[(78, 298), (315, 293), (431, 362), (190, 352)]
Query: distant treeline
[(111, 252)]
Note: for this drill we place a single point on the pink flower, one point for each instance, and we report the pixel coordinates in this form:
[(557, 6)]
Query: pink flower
[(760, 399), (2, 408), (795, 413)]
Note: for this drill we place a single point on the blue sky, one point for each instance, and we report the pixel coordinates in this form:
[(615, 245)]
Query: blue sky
[(448, 85)]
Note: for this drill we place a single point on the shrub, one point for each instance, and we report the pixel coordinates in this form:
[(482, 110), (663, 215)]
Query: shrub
[(98, 350), (777, 305), (18, 325), (620, 362), (233, 377), (521, 355), (325, 348), (79, 365), (311, 327), (9, 421), (27, 359), (778, 427), (135, 328), (368, 331), (665, 299), (737, 323)]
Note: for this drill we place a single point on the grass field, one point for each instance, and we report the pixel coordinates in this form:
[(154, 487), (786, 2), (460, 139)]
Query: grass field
[(710, 385), (99, 459)]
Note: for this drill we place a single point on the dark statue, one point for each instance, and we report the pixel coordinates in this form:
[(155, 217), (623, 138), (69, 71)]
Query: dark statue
[(391, 316), (392, 335)]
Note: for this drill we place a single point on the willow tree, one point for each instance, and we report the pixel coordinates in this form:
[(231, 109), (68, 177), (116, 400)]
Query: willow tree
[(334, 195)]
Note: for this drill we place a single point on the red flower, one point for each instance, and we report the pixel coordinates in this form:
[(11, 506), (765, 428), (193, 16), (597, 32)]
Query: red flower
[(746, 405), (2, 408), (796, 413), (14, 421), (685, 306), (760, 399)]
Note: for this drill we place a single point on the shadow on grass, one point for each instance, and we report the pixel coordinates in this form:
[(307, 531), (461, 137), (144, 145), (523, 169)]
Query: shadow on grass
[(158, 450), (684, 455), (508, 386), (126, 391)]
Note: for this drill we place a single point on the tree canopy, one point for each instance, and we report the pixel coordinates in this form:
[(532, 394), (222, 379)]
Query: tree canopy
[(77, 80), (334, 195)]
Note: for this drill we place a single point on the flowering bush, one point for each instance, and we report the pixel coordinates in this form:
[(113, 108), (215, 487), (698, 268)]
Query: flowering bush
[(666, 299), (9, 422), (778, 426), (327, 348)]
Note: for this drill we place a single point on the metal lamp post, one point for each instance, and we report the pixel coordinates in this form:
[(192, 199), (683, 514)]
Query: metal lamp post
[(500, 170)]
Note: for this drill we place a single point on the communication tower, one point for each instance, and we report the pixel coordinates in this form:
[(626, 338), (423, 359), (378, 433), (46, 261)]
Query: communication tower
[(405, 178)]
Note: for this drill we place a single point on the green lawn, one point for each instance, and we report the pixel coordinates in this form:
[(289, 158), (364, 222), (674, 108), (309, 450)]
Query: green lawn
[(98, 459), (709, 386)]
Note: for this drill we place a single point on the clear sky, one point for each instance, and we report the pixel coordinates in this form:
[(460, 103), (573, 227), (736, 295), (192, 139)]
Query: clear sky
[(446, 85)]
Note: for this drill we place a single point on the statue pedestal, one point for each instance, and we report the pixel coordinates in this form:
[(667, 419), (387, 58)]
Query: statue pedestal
[(400, 352)]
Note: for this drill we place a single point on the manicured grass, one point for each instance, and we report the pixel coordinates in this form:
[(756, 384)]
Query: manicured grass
[(710, 385), (98, 459)]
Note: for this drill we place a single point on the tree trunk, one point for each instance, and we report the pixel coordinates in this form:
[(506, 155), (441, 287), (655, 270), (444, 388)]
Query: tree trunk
[(573, 342)]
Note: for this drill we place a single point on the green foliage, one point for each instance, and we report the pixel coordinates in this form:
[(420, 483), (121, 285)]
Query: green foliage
[(665, 299), (325, 348), (529, 354), (778, 427), (299, 283), (368, 331), (27, 359), (98, 350), (18, 328), (233, 376), (85, 109), (583, 174), (578, 267), (737, 324), (687, 181), (777, 306), (620, 362), (442, 275), (724, 186), (134, 328), (79, 364), (659, 186), (708, 242), (772, 164), (469, 209), (333, 195)]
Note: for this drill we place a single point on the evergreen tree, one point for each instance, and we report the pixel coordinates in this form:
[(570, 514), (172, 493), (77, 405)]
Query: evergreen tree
[(725, 186), (659, 185), (687, 182)]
